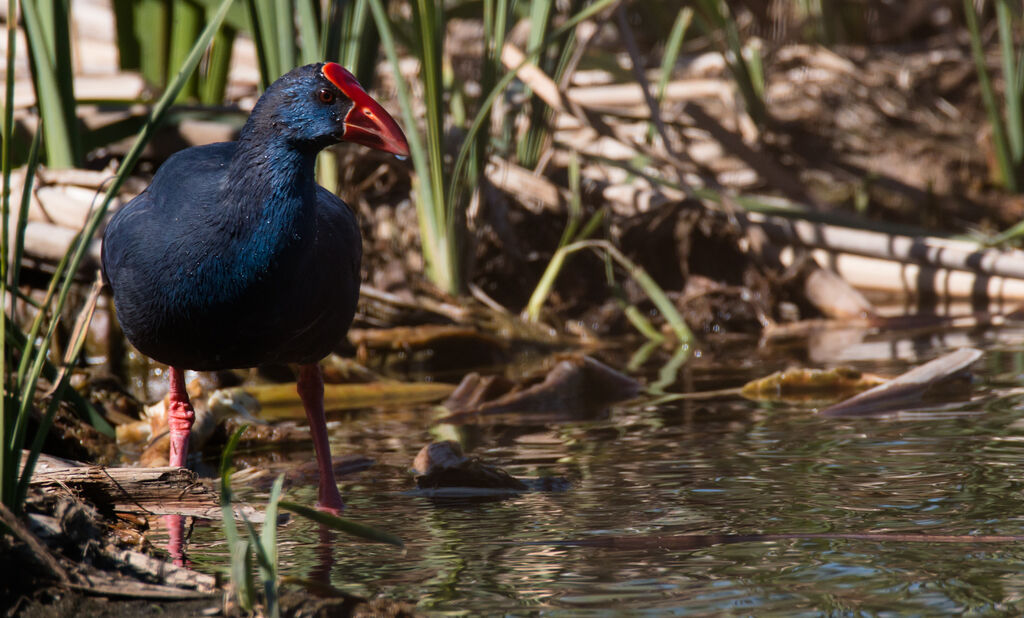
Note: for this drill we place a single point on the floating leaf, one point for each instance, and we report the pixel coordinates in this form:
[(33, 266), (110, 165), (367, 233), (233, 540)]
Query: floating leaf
[(801, 384)]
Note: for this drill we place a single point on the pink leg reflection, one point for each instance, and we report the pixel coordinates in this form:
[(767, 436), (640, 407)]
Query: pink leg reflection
[(175, 525), (321, 572)]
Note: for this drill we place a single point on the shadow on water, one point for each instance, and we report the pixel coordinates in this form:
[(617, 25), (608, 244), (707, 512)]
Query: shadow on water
[(709, 506)]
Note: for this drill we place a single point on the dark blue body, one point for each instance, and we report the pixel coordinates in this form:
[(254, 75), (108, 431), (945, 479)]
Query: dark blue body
[(234, 256)]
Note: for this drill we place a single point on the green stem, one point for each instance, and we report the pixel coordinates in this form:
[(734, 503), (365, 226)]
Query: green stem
[(988, 97)]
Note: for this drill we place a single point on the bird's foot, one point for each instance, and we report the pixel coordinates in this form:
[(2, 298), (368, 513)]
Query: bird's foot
[(180, 417)]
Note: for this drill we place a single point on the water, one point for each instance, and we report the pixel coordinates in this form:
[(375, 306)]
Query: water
[(712, 467)]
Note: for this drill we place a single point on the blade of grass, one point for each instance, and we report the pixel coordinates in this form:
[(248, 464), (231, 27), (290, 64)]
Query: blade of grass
[(127, 40), (639, 275), (362, 531), (631, 311), (486, 105), (19, 233), (37, 324), (26, 391), (439, 220), (670, 371), (18, 339), (256, 27), (50, 92), (643, 354), (717, 16), (334, 32), (215, 81), (234, 540), (360, 47), (10, 452), (284, 36), (988, 97), (434, 254), (309, 32), (60, 16), (153, 31), (262, 559), (529, 147), (268, 539), (1012, 87), (241, 574), (429, 17), (669, 58), (187, 19), (77, 343), (8, 464), (496, 19), (672, 49), (641, 323), (575, 201)]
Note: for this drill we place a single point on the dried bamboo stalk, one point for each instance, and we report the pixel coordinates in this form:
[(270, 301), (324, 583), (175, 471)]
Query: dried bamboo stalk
[(925, 251)]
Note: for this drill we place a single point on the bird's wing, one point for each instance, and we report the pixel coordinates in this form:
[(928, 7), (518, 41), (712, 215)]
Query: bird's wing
[(337, 226), (162, 214)]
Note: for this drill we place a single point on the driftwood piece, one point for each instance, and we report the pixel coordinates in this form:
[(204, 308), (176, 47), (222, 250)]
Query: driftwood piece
[(909, 388), (573, 385), (136, 572), (151, 491), (444, 472), (71, 541), (101, 584), (180, 582)]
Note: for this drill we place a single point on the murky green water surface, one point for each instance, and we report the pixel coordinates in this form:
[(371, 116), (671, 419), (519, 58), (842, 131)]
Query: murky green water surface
[(713, 467)]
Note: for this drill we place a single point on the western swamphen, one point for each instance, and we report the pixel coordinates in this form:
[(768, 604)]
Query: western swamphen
[(235, 257)]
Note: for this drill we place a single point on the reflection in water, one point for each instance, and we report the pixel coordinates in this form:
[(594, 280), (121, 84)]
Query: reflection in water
[(321, 571), (175, 526), (707, 468)]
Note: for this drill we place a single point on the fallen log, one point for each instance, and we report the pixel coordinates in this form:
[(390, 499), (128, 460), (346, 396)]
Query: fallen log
[(148, 491)]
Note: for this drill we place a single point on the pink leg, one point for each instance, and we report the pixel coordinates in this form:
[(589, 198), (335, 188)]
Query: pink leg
[(311, 392), (180, 416)]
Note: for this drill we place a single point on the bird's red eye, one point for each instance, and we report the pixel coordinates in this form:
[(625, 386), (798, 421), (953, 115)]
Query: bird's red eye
[(325, 96)]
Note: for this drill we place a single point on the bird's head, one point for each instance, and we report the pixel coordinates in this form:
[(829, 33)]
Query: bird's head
[(321, 104)]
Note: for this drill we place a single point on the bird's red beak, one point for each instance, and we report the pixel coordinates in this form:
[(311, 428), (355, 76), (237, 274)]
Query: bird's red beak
[(366, 123)]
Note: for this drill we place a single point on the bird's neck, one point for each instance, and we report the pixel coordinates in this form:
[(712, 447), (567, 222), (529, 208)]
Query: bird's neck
[(268, 192)]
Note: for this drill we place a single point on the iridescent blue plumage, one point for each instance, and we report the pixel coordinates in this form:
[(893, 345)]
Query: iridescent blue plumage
[(234, 256)]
